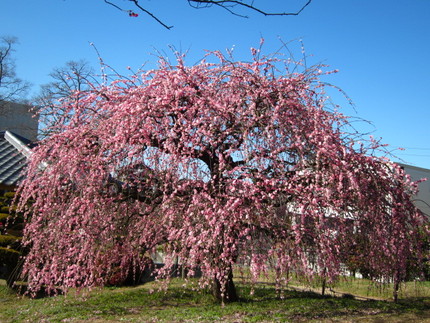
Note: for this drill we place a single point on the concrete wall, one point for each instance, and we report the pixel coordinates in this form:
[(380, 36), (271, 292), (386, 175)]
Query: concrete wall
[(19, 119)]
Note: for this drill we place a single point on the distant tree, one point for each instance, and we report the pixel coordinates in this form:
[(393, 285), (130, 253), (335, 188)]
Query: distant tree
[(73, 77), (12, 88), (216, 164), (234, 7)]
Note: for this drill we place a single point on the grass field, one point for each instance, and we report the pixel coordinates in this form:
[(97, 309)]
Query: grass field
[(184, 304)]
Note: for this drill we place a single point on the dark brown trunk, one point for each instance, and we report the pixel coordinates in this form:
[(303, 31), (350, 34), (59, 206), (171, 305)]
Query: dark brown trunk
[(323, 287), (396, 290), (229, 294), (324, 282)]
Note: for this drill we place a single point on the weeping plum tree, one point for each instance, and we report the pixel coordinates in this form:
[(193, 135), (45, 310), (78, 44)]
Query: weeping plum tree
[(217, 164)]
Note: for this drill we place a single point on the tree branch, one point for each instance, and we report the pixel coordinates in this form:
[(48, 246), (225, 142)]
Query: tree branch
[(141, 8), (199, 4), (150, 14), (12, 88), (226, 4)]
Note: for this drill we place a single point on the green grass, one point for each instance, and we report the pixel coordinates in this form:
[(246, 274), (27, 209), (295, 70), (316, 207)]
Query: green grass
[(183, 304), (366, 288), (363, 288)]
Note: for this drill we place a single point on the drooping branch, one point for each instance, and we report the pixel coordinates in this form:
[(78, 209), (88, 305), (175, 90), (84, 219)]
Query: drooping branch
[(229, 5)]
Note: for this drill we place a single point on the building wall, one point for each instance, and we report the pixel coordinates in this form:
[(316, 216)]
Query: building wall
[(19, 119), (422, 200)]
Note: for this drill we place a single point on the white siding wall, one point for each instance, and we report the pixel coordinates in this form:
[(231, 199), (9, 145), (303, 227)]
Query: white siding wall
[(422, 200)]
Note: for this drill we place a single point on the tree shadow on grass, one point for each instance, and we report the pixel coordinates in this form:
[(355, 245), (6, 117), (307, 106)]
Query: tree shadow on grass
[(298, 305)]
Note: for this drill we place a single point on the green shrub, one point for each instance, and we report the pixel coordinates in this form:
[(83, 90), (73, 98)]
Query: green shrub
[(13, 232), (3, 218), (11, 222), (4, 209), (10, 242), (8, 261), (18, 218), (9, 195), (17, 226)]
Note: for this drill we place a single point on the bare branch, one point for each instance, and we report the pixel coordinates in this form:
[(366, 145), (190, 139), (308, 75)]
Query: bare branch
[(150, 14), (228, 5), (12, 88), (73, 77), (131, 13)]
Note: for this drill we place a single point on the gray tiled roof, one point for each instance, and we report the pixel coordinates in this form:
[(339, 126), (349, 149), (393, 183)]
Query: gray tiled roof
[(13, 156)]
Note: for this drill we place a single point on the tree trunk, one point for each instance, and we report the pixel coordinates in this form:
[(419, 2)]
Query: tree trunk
[(230, 294), (396, 290), (324, 281), (323, 287)]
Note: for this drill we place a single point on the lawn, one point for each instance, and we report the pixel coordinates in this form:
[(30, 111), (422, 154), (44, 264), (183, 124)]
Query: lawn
[(146, 303)]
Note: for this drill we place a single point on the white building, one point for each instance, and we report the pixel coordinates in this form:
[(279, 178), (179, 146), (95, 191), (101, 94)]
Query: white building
[(422, 199), (19, 119)]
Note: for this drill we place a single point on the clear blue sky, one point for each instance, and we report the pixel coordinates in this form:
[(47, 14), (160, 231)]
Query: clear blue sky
[(381, 47)]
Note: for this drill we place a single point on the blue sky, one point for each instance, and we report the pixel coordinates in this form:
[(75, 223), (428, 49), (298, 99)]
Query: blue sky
[(382, 48)]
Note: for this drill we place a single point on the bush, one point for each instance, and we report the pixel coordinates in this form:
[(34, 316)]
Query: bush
[(14, 232), (10, 242), (17, 226), (18, 218), (8, 261), (13, 225), (4, 209), (9, 195), (3, 218)]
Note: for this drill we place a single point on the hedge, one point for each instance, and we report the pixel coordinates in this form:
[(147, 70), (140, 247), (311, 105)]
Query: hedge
[(11, 242), (8, 261), (3, 218), (9, 195)]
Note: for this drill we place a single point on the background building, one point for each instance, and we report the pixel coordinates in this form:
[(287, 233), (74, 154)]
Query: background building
[(18, 129), (422, 200), (19, 119)]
